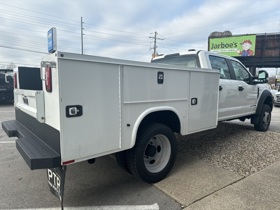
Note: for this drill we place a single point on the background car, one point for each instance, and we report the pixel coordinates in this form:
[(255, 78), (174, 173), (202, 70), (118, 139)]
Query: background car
[(277, 99)]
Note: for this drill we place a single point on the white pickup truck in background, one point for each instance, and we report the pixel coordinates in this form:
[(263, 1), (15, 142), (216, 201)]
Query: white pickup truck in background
[(79, 107), (276, 96), (240, 96)]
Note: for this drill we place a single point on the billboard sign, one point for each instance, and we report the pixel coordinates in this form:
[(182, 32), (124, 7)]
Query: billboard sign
[(233, 45)]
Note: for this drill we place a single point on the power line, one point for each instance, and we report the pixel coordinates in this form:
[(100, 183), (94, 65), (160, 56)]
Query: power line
[(112, 35), (40, 13), (230, 22), (27, 19), (89, 35), (18, 64), (57, 23), (134, 34), (28, 23), (17, 48)]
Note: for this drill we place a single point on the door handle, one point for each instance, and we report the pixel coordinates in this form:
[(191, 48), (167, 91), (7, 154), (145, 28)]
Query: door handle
[(240, 88), (220, 88)]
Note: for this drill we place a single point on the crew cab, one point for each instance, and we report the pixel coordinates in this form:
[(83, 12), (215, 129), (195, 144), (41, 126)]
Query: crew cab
[(241, 95)]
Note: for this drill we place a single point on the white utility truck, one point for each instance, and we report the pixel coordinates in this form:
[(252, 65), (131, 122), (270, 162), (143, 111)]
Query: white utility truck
[(79, 107)]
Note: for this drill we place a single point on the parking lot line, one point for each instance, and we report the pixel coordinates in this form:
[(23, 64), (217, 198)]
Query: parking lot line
[(125, 207), (7, 142)]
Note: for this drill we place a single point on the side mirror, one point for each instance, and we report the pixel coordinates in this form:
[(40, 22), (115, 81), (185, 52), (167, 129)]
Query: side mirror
[(263, 76)]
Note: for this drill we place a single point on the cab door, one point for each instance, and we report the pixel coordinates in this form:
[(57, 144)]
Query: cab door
[(228, 95), (247, 92), (237, 96)]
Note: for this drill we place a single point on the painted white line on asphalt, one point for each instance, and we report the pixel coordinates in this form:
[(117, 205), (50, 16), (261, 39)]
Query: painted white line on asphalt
[(126, 207), (7, 142)]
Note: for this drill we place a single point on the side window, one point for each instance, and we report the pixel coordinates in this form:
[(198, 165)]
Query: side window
[(220, 64), (240, 72)]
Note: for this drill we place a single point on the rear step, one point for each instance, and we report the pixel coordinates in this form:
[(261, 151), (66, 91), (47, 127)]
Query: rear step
[(34, 151)]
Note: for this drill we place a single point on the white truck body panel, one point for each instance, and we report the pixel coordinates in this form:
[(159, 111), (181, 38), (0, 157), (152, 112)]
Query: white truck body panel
[(203, 116), (116, 95), (96, 87)]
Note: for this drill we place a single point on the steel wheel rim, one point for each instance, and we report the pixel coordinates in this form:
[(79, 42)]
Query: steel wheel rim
[(157, 153), (266, 118)]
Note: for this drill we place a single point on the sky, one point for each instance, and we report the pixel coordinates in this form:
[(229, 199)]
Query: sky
[(125, 28)]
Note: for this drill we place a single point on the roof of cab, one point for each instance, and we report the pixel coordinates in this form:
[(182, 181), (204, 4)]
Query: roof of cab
[(191, 52)]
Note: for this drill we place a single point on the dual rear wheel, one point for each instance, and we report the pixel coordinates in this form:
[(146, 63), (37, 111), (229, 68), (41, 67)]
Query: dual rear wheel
[(153, 155)]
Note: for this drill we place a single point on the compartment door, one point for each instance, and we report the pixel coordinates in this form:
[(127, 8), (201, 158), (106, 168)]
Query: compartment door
[(90, 109), (203, 103)]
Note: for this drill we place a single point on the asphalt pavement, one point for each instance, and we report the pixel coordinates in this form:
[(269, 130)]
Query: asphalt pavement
[(192, 184)]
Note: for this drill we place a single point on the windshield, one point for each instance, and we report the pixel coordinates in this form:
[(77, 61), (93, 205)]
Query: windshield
[(181, 60)]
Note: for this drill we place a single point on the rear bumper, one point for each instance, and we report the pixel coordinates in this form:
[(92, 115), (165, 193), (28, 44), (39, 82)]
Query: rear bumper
[(36, 153)]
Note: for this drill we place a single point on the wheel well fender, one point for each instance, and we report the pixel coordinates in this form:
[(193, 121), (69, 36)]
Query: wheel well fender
[(164, 115), (265, 98)]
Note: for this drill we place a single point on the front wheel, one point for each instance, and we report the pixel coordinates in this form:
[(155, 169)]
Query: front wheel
[(154, 153), (265, 118)]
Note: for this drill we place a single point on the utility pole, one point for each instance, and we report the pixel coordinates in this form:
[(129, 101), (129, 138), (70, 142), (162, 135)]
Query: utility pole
[(82, 36), (155, 38)]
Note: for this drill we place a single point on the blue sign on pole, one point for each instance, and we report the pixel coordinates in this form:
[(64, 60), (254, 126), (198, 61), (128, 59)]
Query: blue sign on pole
[(52, 41)]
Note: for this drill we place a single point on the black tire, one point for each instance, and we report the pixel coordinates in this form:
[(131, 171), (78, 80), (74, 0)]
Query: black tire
[(154, 153), (265, 118)]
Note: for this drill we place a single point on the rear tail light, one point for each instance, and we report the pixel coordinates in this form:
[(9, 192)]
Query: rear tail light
[(68, 162), (48, 81), (15, 81)]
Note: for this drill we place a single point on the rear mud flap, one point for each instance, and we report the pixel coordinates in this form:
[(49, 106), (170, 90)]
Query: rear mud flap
[(56, 180)]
